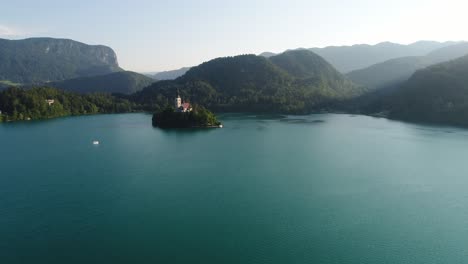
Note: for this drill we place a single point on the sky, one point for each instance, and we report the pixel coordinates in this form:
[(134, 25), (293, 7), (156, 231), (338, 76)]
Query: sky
[(155, 35)]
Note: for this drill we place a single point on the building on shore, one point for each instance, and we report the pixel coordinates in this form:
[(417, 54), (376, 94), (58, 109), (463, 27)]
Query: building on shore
[(50, 101)]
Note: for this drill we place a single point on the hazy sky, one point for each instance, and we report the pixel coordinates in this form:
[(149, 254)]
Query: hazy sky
[(153, 35)]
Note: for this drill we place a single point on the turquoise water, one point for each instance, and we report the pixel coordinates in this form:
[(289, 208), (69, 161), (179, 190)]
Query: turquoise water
[(313, 189)]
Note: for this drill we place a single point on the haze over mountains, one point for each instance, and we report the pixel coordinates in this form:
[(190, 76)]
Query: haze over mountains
[(169, 75), (437, 94), (350, 58), (397, 70), (296, 81)]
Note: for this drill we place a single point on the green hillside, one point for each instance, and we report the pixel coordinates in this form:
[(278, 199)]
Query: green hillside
[(303, 83), (436, 94), (308, 67), (304, 64)]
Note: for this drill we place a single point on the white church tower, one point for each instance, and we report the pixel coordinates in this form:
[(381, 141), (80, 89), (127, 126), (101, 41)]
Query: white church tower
[(178, 101)]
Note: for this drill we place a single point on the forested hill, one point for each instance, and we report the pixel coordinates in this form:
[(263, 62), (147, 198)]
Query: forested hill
[(304, 64), (295, 82), (124, 82), (437, 94), (38, 60), (311, 69)]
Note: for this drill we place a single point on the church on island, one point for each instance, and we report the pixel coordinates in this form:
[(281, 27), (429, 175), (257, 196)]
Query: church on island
[(181, 107)]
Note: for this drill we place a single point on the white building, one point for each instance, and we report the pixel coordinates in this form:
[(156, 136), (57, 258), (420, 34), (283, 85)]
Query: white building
[(50, 101), (181, 107)]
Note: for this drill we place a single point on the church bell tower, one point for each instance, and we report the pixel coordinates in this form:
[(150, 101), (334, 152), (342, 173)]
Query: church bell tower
[(178, 100)]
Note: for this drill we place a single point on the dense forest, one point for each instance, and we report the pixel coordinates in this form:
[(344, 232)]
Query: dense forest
[(18, 104), (437, 94)]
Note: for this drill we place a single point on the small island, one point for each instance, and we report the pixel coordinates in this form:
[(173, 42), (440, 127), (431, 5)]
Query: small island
[(184, 115)]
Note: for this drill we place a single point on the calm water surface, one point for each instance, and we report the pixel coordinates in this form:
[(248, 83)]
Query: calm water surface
[(312, 189)]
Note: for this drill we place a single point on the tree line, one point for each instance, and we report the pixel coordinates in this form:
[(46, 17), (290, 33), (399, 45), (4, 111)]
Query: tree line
[(32, 104)]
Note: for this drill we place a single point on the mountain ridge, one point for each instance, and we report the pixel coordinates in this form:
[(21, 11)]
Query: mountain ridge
[(37, 60), (397, 70), (170, 74), (347, 58)]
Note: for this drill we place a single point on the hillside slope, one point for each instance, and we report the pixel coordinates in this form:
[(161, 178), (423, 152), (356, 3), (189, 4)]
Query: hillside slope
[(437, 94)]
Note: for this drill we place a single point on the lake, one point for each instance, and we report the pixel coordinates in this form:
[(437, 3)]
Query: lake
[(264, 189)]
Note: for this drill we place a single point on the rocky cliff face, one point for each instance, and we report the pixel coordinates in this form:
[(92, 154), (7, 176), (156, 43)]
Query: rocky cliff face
[(38, 60)]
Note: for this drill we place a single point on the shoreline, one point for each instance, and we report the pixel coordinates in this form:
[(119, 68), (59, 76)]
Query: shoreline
[(445, 124)]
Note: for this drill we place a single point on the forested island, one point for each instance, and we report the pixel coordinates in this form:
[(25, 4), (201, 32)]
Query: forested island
[(199, 117)]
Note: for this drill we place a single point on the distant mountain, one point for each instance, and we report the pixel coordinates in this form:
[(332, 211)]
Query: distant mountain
[(293, 82), (38, 60), (448, 53), (170, 75), (124, 82), (350, 58), (437, 94), (398, 70), (267, 54)]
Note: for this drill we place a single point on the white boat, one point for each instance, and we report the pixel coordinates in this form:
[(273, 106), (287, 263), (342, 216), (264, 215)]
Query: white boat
[(95, 142)]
